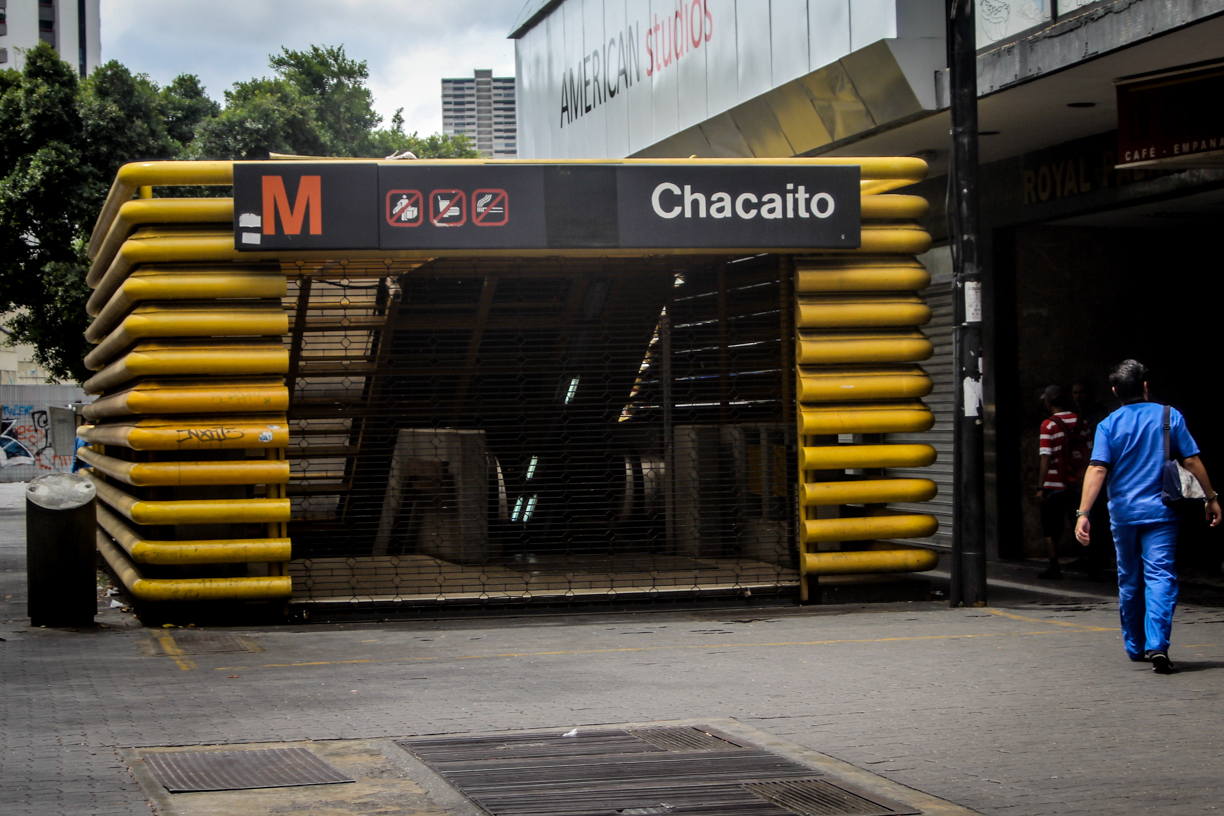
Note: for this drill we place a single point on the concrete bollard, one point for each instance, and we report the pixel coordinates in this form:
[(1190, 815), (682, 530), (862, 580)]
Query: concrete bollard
[(60, 542)]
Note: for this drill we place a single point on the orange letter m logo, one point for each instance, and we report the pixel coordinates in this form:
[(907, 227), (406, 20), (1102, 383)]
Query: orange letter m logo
[(276, 201)]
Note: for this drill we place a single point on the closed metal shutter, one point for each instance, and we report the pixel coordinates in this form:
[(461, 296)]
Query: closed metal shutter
[(939, 297)]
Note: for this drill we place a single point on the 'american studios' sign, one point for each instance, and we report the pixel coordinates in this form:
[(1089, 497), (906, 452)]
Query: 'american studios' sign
[(306, 206)]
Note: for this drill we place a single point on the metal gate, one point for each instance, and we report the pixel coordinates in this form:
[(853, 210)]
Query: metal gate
[(468, 430)]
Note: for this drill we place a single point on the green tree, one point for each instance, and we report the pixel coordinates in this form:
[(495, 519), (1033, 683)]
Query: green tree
[(186, 105), (317, 104), (438, 146), (261, 116), (61, 141), (344, 106)]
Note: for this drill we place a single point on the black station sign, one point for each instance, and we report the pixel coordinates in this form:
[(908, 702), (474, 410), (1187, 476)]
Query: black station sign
[(359, 205)]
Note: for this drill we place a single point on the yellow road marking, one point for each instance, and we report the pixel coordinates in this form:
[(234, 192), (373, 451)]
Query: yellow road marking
[(172, 649), (662, 648), (1081, 626)]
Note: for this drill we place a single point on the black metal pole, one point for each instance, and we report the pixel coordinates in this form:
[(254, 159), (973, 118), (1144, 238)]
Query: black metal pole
[(968, 500)]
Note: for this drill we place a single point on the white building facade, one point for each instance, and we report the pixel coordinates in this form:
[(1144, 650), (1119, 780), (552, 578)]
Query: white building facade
[(616, 78), (71, 27)]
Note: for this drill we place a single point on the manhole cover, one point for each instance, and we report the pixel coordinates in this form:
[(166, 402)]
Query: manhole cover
[(194, 771), (202, 643), (675, 771)]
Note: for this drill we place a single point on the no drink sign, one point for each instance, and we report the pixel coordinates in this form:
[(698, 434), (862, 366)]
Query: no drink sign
[(353, 205)]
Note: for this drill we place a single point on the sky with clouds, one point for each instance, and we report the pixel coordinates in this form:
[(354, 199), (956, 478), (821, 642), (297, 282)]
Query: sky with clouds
[(409, 45)]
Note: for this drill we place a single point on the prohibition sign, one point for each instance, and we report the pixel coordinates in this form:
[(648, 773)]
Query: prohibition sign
[(490, 208), (404, 208), (453, 204)]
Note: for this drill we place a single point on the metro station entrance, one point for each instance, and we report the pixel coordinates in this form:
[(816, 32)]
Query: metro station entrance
[(363, 384)]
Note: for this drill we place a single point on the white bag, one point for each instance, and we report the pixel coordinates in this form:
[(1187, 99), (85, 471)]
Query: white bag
[(1191, 489)]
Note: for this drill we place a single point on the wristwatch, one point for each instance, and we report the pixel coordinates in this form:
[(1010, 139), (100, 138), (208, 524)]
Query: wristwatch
[(1213, 497), (1080, 513)]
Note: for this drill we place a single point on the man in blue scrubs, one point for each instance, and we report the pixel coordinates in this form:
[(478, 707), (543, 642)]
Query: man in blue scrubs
[(1128, 454)]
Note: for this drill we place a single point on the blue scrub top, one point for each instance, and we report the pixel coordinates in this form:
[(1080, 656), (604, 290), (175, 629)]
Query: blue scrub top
[(1130, 441)]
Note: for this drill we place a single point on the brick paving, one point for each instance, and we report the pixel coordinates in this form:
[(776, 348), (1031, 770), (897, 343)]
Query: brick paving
[(1027, 707)]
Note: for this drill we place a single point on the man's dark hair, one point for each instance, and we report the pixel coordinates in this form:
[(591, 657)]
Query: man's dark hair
[(1127, 380)]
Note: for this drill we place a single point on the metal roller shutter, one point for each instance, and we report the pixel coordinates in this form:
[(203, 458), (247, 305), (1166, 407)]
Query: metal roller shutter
[(939, 297)]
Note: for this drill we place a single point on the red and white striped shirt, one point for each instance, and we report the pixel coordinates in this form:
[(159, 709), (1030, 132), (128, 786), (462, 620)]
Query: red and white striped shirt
[(1052, 441)]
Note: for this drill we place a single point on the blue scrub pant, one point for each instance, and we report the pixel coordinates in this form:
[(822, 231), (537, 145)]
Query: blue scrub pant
[(1147, 584)]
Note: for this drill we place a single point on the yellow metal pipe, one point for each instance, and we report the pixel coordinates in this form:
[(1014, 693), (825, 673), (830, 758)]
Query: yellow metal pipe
[(893, 207), (254, 319), (867, 491), (223, 551), (131, 177), (868, 528), (831, 385), (139, 213), (190, 589), (911, 417), (840, 276), (844, 348), (840, 457), (192, 433), (882, 185), (893, 239), (186, 283), (143, 249), (200, 511), (153, 474), (860, 311), (218, 358), (869, 561), (227, 396)]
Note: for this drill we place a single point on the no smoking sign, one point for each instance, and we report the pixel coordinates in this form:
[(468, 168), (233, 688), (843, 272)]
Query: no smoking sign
[(490, 208)]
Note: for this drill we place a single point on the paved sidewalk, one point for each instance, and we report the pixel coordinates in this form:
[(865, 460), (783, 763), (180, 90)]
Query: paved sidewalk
[(1027, 707)]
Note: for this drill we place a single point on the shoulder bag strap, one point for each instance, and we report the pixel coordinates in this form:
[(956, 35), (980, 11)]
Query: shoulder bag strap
[(1165, 429)]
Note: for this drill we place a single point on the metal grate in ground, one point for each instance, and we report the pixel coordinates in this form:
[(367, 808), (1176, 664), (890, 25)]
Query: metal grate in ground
[(675, 771), (195, 771), (818, 797), (684, 739)]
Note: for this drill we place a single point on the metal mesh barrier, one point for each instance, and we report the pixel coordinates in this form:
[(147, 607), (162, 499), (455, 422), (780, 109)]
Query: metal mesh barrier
[(541, 429)]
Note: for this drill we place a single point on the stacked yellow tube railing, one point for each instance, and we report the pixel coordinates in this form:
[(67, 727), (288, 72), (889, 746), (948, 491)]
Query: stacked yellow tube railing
[(188, 432), (857, 351)]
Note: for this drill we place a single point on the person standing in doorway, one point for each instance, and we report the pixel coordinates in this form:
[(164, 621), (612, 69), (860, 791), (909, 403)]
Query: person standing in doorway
[(1128, 457), (1052, 491)]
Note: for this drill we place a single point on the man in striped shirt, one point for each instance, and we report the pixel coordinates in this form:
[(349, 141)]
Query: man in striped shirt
[(1052, 494)]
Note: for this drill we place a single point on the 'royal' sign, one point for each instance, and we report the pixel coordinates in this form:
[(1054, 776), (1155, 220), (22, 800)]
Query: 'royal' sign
[(356, 205)]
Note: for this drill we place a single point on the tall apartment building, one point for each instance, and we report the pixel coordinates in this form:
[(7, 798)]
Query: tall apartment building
[(482, 108), (72, 27)]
